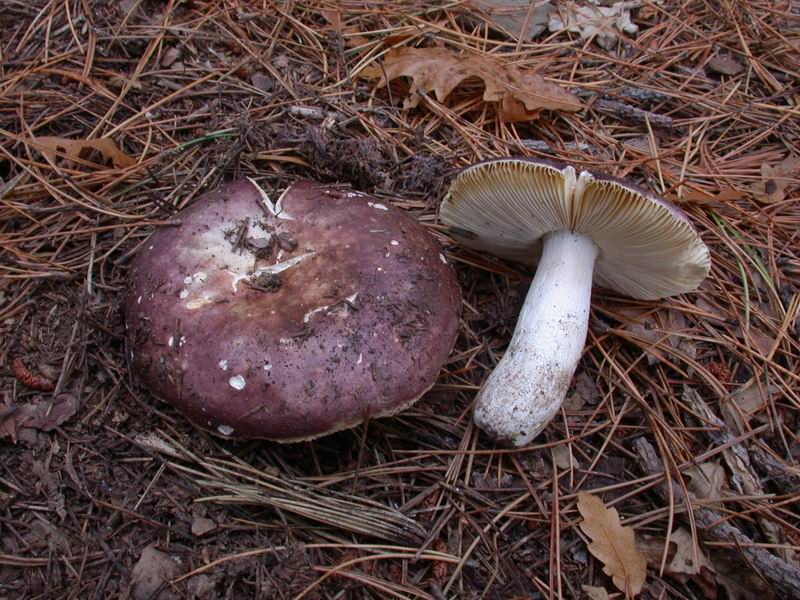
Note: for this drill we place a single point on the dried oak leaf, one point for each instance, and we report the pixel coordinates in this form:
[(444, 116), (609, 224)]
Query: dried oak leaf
[(350, 35), (603, 23), (519, 95), (681, 561), (512, 16), (107, 147), (775, 180), (612, 544)]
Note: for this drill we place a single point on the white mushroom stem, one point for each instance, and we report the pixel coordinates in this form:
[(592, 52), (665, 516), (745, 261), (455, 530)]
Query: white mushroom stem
[(528, 385)]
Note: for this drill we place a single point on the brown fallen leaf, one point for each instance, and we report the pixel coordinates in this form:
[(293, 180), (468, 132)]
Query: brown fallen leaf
[(151, 573), (775, 179), (725, 64), (706, 480), (511, 16), (519, 95), (202, 525), (751, 399), (351, 35), (612, 544), (564, 458), (595, 593), (681, 561), (44, 415), (684, 560), (740, 581), (602, 23), (107, 147)]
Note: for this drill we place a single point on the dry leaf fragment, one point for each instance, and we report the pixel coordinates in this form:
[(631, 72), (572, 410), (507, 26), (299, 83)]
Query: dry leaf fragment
[(595, 593), (706, 480), (202, 525), (43, 415), (520, 95), (612, 544), (725, 64), (170, 55), (603, 23), (351, 35), (684, 560), (681, 560), (151, 574), (563, 457), (49, 146), (775, 180), (510, 16), (741, 582), (753, 397)]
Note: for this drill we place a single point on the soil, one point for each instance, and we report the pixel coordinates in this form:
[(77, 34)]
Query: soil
[(106, 492)]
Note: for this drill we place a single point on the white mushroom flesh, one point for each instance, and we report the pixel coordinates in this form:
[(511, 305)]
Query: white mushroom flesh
[(588, 228), (527, 387)]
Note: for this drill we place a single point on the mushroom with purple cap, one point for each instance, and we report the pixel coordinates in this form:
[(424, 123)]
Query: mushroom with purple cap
[(582, 228), (293, 319)]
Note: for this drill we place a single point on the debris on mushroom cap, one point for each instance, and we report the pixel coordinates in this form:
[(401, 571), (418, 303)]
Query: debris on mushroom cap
[(580, 228), (347, 313), (648, 248)]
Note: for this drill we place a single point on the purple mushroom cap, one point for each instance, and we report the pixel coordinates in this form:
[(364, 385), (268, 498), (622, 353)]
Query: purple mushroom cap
[(291, 320)]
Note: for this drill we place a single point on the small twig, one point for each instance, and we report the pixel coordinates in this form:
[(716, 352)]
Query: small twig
[(741, 471), (626, 112), (788, 481), (785, 578)]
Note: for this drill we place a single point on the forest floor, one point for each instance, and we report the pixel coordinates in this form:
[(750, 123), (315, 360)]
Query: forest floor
[(684, 414)]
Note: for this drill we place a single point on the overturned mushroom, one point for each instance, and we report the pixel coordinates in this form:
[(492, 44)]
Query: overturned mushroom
[(290, 320), (586, 227)]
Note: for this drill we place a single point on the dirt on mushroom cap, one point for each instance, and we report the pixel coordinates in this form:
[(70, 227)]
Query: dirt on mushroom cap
[(364, 314)]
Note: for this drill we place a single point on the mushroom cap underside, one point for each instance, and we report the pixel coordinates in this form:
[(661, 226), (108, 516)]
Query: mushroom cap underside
[(292, 325), (647, 247)]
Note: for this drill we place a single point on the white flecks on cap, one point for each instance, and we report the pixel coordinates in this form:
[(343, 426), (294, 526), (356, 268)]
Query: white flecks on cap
[(223, 364), (276, 210), (360, 358), (225, 429), (170, 341), (394, 243), (182, 341), (267, 367), (311, 313), (199, 302), (200, 277), (378, 205), (184, 294), (350, 299), (187, 280), (270, 270), (237, 382)]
